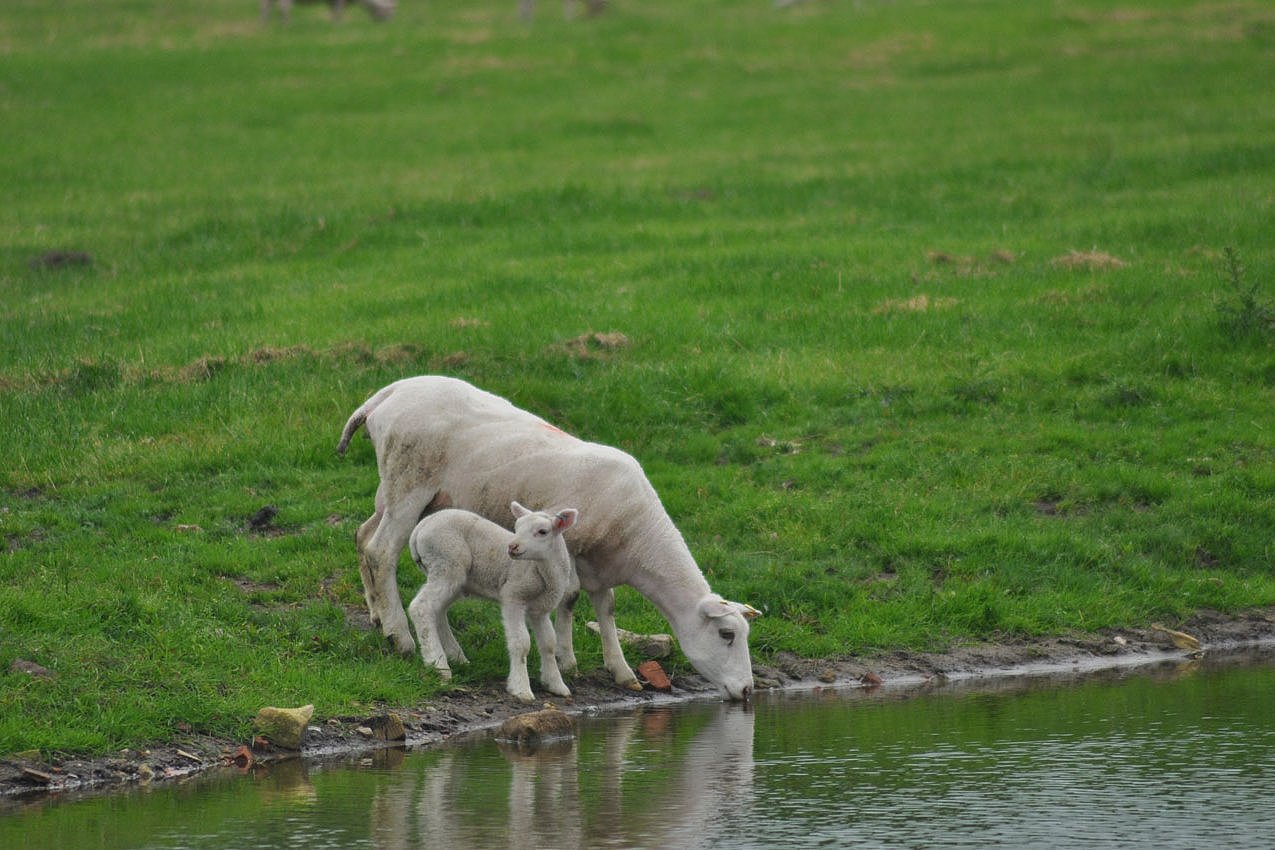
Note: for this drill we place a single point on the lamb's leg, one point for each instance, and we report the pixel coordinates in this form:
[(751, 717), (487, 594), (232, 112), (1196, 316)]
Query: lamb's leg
[(450, 645), (550, 676), (518, 642), (612, 656), (427, 608), (563, 622), (380, 541)]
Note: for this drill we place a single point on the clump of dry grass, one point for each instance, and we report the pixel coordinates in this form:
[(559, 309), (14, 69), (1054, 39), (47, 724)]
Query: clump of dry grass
[(916, 304), (1088, 261)]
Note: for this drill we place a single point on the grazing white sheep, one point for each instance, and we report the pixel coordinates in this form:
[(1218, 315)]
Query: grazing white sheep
[(527, 572), (441, 442), (379, 9)]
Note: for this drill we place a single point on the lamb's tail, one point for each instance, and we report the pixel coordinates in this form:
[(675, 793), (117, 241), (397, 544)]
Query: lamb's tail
[(360, 416)]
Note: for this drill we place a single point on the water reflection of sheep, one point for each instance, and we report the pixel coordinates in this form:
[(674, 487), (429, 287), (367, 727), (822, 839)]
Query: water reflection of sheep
[(646, 781)]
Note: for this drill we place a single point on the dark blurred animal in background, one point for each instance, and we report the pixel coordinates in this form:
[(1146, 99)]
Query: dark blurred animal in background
[(378, 9), (527, 8)]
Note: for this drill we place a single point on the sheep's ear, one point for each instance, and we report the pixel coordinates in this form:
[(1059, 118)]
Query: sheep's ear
[(519, 510), (713, 606), (565, 519)]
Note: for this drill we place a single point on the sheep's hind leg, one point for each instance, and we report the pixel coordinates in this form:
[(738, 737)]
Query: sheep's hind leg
[(612, 655), (550, 676), (380, 540)]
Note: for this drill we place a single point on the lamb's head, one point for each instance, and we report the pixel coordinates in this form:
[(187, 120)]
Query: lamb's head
[(717, 644), (537, 534)]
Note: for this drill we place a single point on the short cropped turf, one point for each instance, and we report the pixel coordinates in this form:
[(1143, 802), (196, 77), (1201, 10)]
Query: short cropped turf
[(931, 321)]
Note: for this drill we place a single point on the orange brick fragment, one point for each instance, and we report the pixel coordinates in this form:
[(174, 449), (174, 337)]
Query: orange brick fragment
[(655, 675)]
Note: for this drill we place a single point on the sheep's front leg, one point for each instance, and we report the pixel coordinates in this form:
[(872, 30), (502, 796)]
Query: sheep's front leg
[(550, 676), (612, 656), (518, 643)]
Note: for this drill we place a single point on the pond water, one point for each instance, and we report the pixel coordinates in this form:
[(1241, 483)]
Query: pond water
[(1176, 756)]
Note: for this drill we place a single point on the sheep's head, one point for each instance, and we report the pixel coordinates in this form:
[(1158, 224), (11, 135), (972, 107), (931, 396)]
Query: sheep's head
[(537, 533), (717, 644)]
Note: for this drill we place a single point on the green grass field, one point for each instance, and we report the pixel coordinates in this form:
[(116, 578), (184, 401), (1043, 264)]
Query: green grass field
[(920, 316)]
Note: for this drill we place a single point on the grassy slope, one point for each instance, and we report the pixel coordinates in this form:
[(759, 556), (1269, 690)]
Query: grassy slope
[(871, 394)]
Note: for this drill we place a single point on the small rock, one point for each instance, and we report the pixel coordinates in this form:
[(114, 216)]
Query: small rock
[(648, 646), (828, 676), (532, 730), (29, 755), (285, 727), (655, 676), (871, 679), (365, 731), (387, 727), (37, 775), (1181, 640)]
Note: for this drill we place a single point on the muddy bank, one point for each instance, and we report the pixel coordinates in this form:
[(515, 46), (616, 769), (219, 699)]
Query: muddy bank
[(477, 712)]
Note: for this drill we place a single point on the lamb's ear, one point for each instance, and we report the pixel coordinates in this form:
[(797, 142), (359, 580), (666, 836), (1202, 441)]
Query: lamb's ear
[(519, 510), (564, 519)]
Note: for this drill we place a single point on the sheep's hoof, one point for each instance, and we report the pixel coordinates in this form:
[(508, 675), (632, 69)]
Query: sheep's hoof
[(405, 644), (633, 685)]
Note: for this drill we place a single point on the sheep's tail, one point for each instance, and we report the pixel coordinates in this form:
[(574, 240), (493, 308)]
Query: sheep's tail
[(360, 416)]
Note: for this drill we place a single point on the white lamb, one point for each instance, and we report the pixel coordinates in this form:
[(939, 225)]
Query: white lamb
[(527, 572)]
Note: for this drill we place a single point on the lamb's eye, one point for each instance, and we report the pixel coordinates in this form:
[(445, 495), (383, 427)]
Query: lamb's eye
[(540, 532), (727, 635)]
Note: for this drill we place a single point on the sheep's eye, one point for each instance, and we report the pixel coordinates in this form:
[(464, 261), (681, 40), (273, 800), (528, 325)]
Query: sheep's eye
[(727, 635), (540, 532)]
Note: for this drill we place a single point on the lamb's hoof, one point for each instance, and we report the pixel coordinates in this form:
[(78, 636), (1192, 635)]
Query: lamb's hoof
[(527, 698), (559, 690), (633, 685)]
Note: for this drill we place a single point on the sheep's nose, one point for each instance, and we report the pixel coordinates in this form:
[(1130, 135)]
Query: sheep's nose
[(513, 550)]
